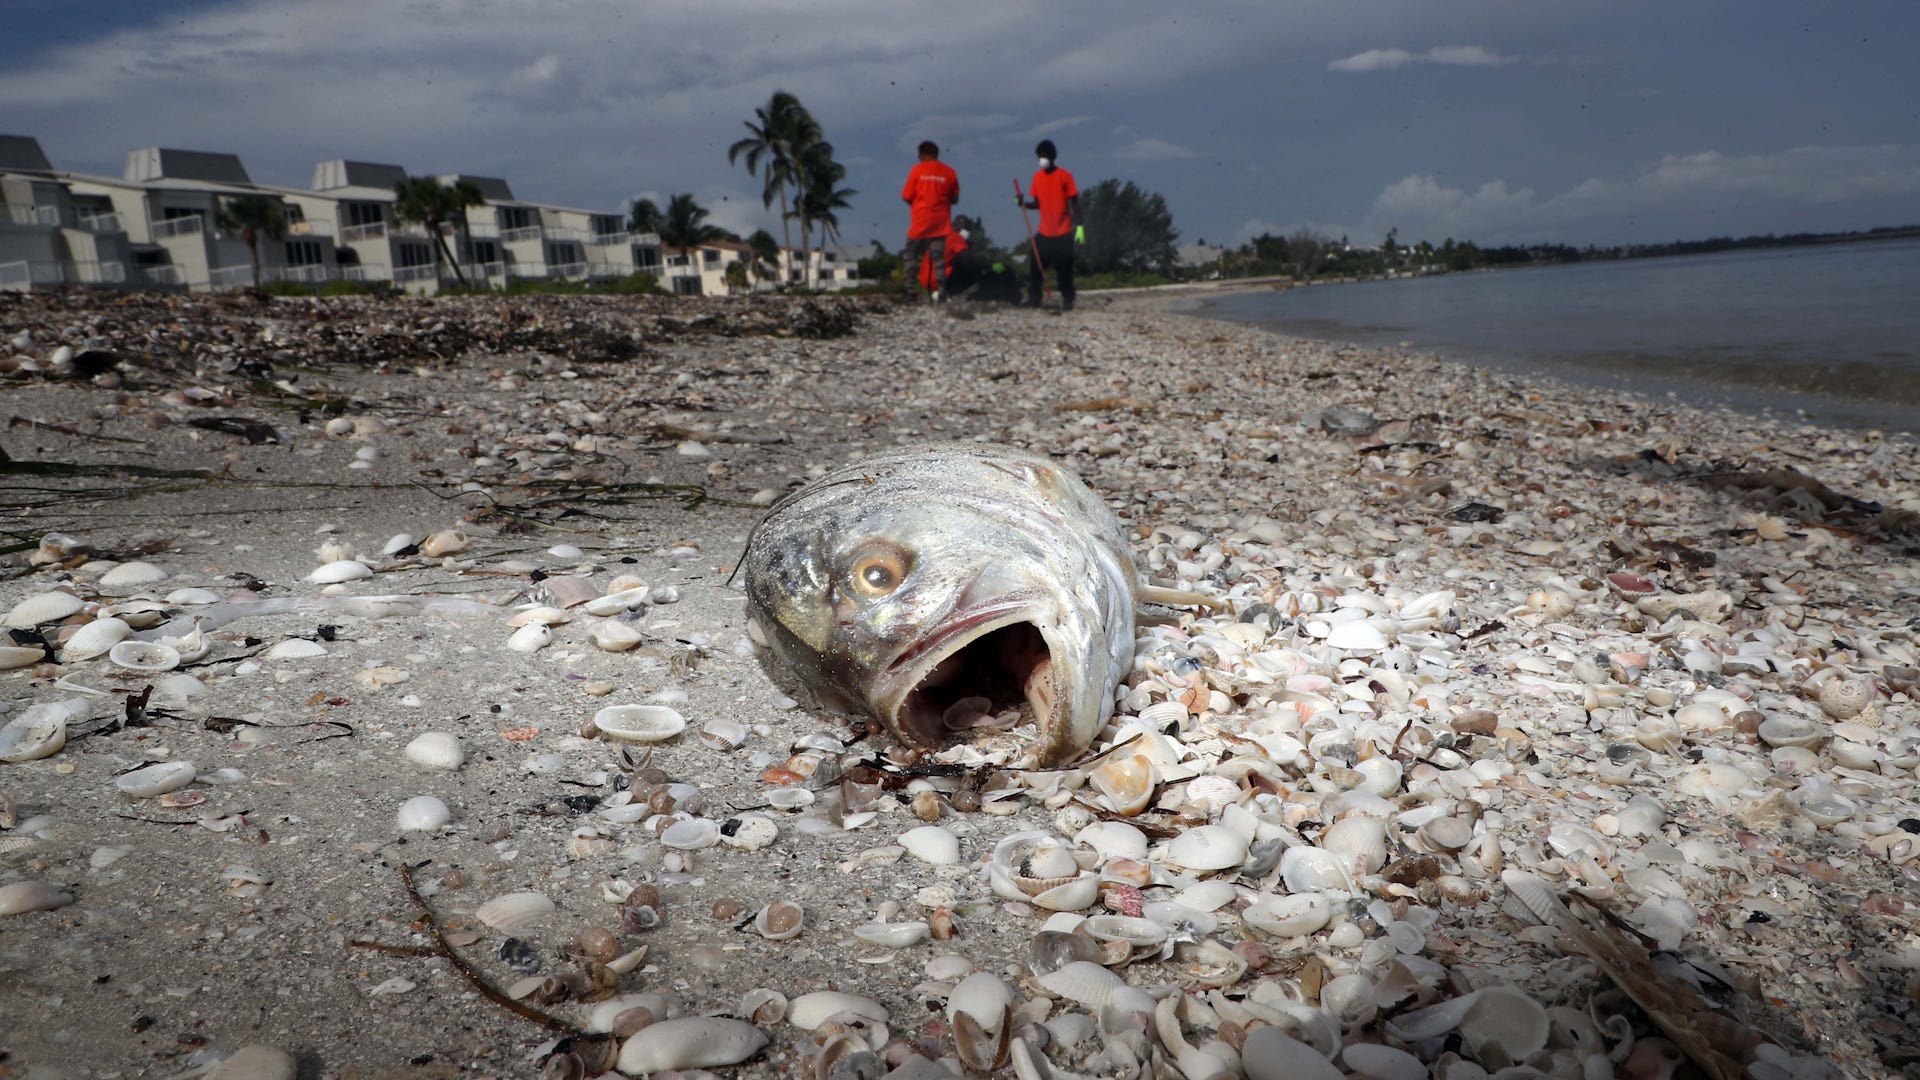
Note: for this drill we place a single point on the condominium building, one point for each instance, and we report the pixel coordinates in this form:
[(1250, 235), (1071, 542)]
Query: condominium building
[(50, 236)]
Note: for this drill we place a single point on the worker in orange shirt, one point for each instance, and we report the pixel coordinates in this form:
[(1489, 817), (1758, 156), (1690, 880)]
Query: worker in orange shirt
[(1053, 194), (931, 190)]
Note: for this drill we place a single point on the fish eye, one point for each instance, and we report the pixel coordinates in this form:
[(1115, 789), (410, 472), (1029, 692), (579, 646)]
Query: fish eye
[(878, 569)]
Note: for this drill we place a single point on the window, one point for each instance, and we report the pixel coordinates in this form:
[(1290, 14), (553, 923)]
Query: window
[(516, 217), (415, 253), (361, 213), (304, 253), (710, 257), (826, 275), (687, 285), (677, 260)]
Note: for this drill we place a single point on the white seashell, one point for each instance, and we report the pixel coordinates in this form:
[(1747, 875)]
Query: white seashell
[(156, 779), (1362, 841), (897, 935), (131, 575), (1446, 834), (1844, 699), (193, 597), (809, 1011), (40, 731), (422, 813), (1139, 933), (340, 570), (1125, 782), (1376, 1062), (1210, 895), (1292, 915), (721, 733), (1382, 776), (443, 543), (690, 1042), (19, 656), (544, 614), (612, 635), (983, 996), (1357, 635), (1272, 1054), (1209, 847), (749, 832), (1209, 793), (514, 911), (780, 920), (932, 844), (790, 798), (1712, 781), (1307, 870), (94, 639), (615, 603), (530, 638), (45, 607), (1504, 1027), (1084, 983), (296, 649), (1113, 840), (436, 750), (22, 897), (397, 543), (1162, 713), (1785, 729), (763, 1006), (1348, 999), (1073, 895), (604, 1014), (639, 723), (691, 834), (144, 656), (191, 646)]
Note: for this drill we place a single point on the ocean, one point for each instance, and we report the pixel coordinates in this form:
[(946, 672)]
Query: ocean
[(1828, 332)]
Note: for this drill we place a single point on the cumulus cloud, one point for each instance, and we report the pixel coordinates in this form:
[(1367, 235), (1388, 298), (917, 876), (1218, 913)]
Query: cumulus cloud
[(1388, 59), (1151, 149)]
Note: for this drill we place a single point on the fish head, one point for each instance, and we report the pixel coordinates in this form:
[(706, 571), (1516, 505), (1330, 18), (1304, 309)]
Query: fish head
[(934, 618)]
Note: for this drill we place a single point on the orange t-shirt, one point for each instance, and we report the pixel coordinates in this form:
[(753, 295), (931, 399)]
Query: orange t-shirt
[(1052, 190), (932, 187), (955, 245)]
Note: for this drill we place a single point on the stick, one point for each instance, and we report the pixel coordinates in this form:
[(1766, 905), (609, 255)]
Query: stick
[(474, 978), (1045, 292)]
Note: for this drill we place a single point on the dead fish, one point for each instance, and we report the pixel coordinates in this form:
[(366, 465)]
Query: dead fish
[(911, 585)]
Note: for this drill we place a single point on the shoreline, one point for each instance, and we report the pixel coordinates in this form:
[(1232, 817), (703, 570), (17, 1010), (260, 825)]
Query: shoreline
[(1558, 570)]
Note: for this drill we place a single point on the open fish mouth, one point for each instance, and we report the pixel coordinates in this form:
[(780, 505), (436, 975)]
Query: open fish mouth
[(965, 673)]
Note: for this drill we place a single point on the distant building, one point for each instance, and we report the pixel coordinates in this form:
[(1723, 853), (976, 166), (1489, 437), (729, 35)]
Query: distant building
[(48, 234)]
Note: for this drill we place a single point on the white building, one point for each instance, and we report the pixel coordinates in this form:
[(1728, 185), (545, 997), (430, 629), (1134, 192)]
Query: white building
[(48, 236)]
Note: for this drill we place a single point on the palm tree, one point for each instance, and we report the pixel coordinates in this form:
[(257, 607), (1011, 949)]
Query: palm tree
[(784, 131), (466, 195), (644, 216), (766, 254), (684, 226), (819, 198), (253, 216), (424, 200)]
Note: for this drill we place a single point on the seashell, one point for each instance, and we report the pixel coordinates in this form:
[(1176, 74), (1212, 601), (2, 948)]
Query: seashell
[(1072, 895), (1125, 783), (780, 920), (422, 813), (1844, 699), (1209, 895), (749, 832), (1163, 713), (193, 597), (763, 1006), (1209, 847), (808, 1011), (1658, 733), (639, 723), (1362, 841), (1357, 635), (396, 544), (691, 834), (1138, 933), (436, 750), (1504, 1027), (1083, 983), (191, 646), (896, 935), (130, 575), (444, 543), (790, 798), (144, 656), (296, 649), (1376, 1062), (530, 638), (607, 1015), (614, 603), (22, 897), (94, 639), (1348, 999), (1308, 869), (586, 842), (612, 635), (1554, 603), (515, 911), (1293, 915), (42, 608), (544, 615), (156, 779), (1783, 729), (1209, 794), (932, 844), (949, 968), (982, 996), (40, 731), (1445, 834), (19, 656), (690, 1042), (1712, 781), (721, 733), (139, 614), (340, 570)]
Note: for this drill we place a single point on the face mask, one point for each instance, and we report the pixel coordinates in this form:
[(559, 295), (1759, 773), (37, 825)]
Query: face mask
[(1046, 163)]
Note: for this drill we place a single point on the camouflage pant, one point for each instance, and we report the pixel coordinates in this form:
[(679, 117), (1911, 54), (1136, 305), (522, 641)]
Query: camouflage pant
[(916, 249)]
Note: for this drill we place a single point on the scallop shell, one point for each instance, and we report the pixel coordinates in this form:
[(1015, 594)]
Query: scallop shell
[(1362, 841), (932, 844), (94, 639), (690, 1042), (1209, 794), (1070, 895), (42, 608), (156, 779), (639, 723), (144, 656), (334, 573), (1084, 983), (514, 911), (131, 575), (1209, 847)]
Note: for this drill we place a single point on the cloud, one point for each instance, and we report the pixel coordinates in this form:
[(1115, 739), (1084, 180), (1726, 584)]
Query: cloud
[(1151, 149), (951, 131), (1389, 59), (1048, 127)]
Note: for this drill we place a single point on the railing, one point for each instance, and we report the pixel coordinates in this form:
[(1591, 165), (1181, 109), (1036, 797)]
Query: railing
[(369, 231), (312, 273), (34, 215), (310, 227), (485, 271), (230, 277), (610, 270), (102, 223), (561, 232), (163, 275), (605, 239), (530, 271), (180, 226), (26, 274), (485, 230), (16, 276), (514, 236), (567, 270), (423, 272), (88, 272), (645, 239), (371, 272), (410, 228)]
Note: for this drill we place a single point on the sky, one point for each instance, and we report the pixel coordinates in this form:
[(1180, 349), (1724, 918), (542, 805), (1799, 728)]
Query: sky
[(1497, 121)]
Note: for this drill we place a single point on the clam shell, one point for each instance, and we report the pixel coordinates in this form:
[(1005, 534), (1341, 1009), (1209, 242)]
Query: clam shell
[(193, 597), (42, 608), (544, 614), (932, 844), (1125, 783), (779, 921), (22, 897), (1360, 840), (896, 935), (1083, 983), (422, 813), (514, 911), (1376, 1062), (443, 543), (690, 1042), (1209, 847), (1504, 1027), (1139, 933), (691, 834), (1356, 635), (809, 1011), (983, 996), (144, 656), (156, 779), (334, 573), (1307, 869), (296, 649), (639, 723), (530, 638), (616, 602), (1292, 915), (130, 575), (19, 656), (1113, 840), (1069, 896), (612, 635), (436, 750), (40, 731), (94, 639)]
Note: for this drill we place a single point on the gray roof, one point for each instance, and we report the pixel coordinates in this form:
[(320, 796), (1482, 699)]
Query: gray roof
[(340, 174), (493, 188), (157, 163), (21, 153)]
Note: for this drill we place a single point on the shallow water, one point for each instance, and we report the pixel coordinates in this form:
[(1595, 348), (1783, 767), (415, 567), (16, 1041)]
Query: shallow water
[(1832, 331)]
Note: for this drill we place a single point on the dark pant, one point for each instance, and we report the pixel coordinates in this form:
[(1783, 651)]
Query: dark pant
[(918, 248), (1056, 254)]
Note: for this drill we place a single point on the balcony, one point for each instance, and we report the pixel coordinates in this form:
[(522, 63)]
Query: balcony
[(102, 223), (563, 233), (163, 275), (610, 270), (514, 236), (486, 271), (423, 272), (231, 277), (372, 272), (567, 270), (311, 274), (310, 227), (24, 275), (484, 230), (527, 271), (88, 272), (372, 230), (180, 226), (645, 239), (608, 239), (34, 215)]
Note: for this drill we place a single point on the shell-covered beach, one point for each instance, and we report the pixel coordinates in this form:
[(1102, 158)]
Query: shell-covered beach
[(1526, 728)]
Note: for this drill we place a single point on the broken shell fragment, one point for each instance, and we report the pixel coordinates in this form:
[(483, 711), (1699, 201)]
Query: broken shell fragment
[(156, 779), (530, 638), (443, 543), (22, 897), (808, 1011)]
